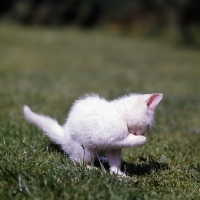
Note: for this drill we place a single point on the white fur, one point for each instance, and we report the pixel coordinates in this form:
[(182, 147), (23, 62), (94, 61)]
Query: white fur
[(95, 124)]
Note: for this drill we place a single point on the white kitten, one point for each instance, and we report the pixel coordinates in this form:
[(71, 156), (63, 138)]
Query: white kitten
[(95, 124)]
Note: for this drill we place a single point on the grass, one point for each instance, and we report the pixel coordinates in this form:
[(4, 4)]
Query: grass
[(48, 69)]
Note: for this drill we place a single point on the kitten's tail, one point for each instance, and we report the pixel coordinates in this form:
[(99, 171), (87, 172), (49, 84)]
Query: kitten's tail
[(48, 125)]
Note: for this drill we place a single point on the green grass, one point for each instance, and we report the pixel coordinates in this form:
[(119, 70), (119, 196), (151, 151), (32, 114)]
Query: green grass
[(48, 69)]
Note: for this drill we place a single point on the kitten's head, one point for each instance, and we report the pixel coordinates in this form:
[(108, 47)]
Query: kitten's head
[(140, 118)]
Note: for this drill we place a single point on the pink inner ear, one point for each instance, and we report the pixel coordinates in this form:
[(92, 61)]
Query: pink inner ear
[(153, 100)]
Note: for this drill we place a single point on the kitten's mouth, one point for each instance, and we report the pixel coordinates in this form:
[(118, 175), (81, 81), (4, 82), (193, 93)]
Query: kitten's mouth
[(135, 133)]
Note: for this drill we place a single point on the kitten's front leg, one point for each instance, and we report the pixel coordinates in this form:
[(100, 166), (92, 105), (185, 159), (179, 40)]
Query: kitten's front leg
[(131, 141), (114, 159)]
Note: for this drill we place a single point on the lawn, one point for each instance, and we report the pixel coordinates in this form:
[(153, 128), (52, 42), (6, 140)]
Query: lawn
[(48, 69)]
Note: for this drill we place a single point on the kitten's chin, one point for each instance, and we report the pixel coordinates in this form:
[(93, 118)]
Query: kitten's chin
[(136, 133), (142, 134)]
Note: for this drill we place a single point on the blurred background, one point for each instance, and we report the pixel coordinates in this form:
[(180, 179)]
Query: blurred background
[(177, 18), (54, 51)]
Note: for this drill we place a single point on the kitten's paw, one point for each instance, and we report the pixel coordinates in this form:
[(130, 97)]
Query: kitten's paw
[(133, 140), (119, 172), (139, 140), (90, 167)]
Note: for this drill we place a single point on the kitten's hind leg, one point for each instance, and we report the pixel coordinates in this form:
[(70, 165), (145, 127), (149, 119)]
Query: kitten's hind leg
[(80, 154), (114, 158)]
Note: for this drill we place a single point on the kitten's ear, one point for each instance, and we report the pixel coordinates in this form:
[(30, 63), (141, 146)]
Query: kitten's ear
[(153, 100)]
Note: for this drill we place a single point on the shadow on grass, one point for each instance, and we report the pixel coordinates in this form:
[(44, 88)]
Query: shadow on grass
[(142, 168), (139, 168)]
